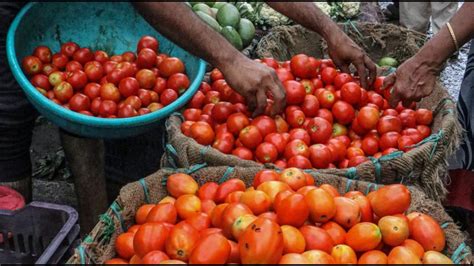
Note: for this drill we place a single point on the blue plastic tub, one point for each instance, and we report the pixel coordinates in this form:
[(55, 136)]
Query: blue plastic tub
[(111, 26)]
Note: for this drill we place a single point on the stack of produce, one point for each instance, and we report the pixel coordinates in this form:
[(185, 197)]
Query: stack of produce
[(282, 218), (94, 84), (226, 19), (330, 120)]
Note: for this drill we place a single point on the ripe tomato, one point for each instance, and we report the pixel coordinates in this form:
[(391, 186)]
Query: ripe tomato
[(181, 241), (351, 93), (43, 53), (341, 79), (376, 99), (168, 96), (77, 79), (124, 245), (319, 129), (60, 60), (150, 236), (390, 200), (337, 233), (216, 74), (212, 249), (250, 137), (265, 125), (133, 101), (293, 240), (389, 140), (296, 147), (308, 86), (414, 246), (328, 74), (154, 257), (63, 91), (368, 117), (347, 212), (202, 132), (181, 184), (405, 142), (318, 257), (326, 99), (69, 48), (116, 261), (263, 176), (284, 74), (271, 63), (394, 230), (94, 71), (199, 221), (370, 145), (325, 114), (296, 119), (276, 139), (228, 187), (295, 92), (272, 188), (264, 245), (426, 231), (408, 118), (79, 102), (187, 206), (230, 214), (316, 238), (343, 254), (147, 42), (293, 258), (402, 255), (321, 205), (146, 78), (178, 82), (301, 134), (83, 55), (146, 58), (266, 152), (110, 92), (128, 86), (292, 210), (49, 68), (373, 257), (389, 123), (221, 111), (294, 177), (170, 66), (163, 212), (424, 116), (299, 161), (40, 80), (363, 237), (310, 105), (301, 66), (192, 114), (243, 153), (343, 112), (257, 201), (320, 156)]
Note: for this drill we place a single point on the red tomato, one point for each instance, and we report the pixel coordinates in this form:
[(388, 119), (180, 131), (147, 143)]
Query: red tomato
[(316, 238), (202, 132), (356, 160), (424, 116), (320, 156), (250, 137), (276, 139), (292, 210), (43, 53), (146, 58), (150, 236), (341, 79), (301, 66), (196, 102), (69, 48), (310, 106), (296, 147), (325, 114), (228, 187), (389, 140), (319, 129), (216, 74), (265, 125), (295, 92), (413, 133), (60, 60), (368, 117), (221, 111), (95, 105), (263, 176), (343, 112), (107, 108), (284, 74), (299, 133), (328, 74), (79, 102), (326, 99), (146, 79), (168, 96), (408, 118), (299, 161), (351, 93), (296, 118), (243, 153), (63, 91), (40, 80), (147, 42), (178, 82), (181, 241), (337, 148), (389, 123), (170, 66), (223, 145), (212, 249), (83, 55), (404, 142), (424, 131), (370, 145), (129, 86)]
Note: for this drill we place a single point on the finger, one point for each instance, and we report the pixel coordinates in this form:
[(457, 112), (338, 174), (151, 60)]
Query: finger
[(279, 96), (362, 75), (261, 102), (394, 97), (251, 101), (389, 80), (372, 69)]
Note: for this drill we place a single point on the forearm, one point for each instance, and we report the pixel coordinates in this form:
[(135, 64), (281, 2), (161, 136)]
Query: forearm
[(177, 22), (441, 46)]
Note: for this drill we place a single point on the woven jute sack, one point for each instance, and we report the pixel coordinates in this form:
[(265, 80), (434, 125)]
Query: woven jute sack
[(424, 166), (98, 246)]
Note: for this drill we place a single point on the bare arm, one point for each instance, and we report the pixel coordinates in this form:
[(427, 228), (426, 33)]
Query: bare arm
[(178, 22), (341, 48), (416, 77)]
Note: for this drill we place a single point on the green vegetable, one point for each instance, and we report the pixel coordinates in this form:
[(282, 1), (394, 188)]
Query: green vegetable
[(246, 31), (228, 15), (232, 36), (209, 20), (202, 7), (388, 61), (214, 12), (219, 4)]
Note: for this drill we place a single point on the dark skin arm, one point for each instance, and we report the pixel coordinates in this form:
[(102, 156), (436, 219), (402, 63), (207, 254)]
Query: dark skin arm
[(249, 78), (416, 77), (341, 48)]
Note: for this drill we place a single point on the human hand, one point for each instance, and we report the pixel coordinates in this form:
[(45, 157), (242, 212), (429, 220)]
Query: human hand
[(252, 80), (413, 80), (344, 51)]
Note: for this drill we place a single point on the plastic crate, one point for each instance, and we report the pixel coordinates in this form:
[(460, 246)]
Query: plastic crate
[(38, 233)]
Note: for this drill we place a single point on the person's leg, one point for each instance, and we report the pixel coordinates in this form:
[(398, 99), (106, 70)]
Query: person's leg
[(442, 13), (415, 15), (86, 160)]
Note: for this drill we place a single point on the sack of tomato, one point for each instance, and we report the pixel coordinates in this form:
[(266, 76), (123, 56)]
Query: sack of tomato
[(331, 123), (177, 214)]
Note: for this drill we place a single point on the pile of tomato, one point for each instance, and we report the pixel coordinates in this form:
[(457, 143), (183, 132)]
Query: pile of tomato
[(282, 218), (330, 120), (94, 84)]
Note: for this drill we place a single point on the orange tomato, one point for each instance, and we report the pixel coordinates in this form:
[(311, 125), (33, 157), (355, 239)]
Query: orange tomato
[(272, 188), (365, 209), (135, 260), (209, 231), (213, 249), (150, 236), (116, 261), (208, 191), (234, 197), (133, 229), (270, 216), (167, 199), (124, 245), (261, 243), (412, 216), (316, 238), (181, 241), (293, 240), (241, 223), (309, 179), (199, 221), (343, 254), (230, 214), (402, 255), (258, 201), (265, 175), (187, 206), (304, 190), (181, 184), (172, 262), (294, 177), (321, 205), (234, 256), (394, 230), (293, 258), (347, 212), (364, 237), (228, 187), (293, 210), (330, 189), (414, 246), (318, 257), (337, 233), (154, 257), (142, 213), (280, 197), (163, 212), (373, 257), (426, 231), (434, 257), (390, 200), (216, 214), (207, 206)]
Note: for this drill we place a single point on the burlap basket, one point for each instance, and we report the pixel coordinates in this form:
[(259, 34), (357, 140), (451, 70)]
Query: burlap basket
[(98, 246), (424, 166)]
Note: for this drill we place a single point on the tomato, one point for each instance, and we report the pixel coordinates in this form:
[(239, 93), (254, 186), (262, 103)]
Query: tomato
[(265, 175), (370, 145), (40, 80), (216, 74), (187, 206), (146, 58), (181, 241), (341, 79), (69, 48), (221, 111), (243, 153), (364, 237), (390, 200), (293, 240), (394, 230), (301, 66), (280, 196), (178, 82), (124, 245), (163, 212), (147, 42), (375, 99), (250, 137), (293, 258), (154, 107), (296, 147), (310, 106), (402, 255), (368, 117), (59, 60), (351, 93), (326, 99), (257, 201), (170, 66), (318, 257), (266, 152), (199, 221), (83, 55), (348, 212), (408, 118), (63, 91), (150, 236), (276, 139), (78, 79), (389, 140), (413, 133), (434, 257), (389, 123), (94, 71), (321, 205), (308, 86), (295, 92), (414, 246), (265, 125), (364, 204), (317, 84), (272, 188), (280, 164), (328, 74), (142, 213), (343, 112), (212, 249), (424, 131), (262, 242), (426, 231), (154, 257), (43, 53), (49, 68), (405, 142), (133, 101), (319, 129), (216, 215), (79, 102), (355, 161), (116, 261), (230, 214), (146, 79), (196, 102), (128, 86), (284, 74), (293, 210), (271, 63), (168, 96), (228, 187), (373, 257), (325, 114), (73, 66), (424, 116), (299, 161), (296, 119), (316, 238), (181, 184), (202, 133), (337, 233)]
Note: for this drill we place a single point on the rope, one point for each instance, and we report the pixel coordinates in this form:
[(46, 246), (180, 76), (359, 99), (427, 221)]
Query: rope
[(116, 209), (174, 153), (226, 174), (351, 173), (109, 227), (81, 249), (203, 152), (145, 189), (348, 185), (457, 257), (195, 168), (434, 138), (444, 225), (367, 191), (378, 168)]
